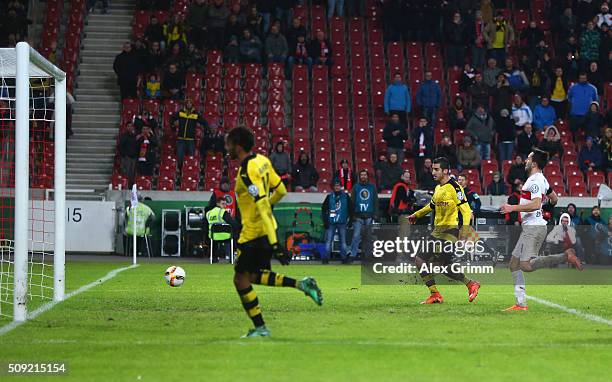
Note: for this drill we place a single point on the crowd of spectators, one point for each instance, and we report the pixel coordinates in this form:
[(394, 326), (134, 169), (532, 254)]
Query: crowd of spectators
[(246, 32), (13, 22), (586, 232), (517, 82)]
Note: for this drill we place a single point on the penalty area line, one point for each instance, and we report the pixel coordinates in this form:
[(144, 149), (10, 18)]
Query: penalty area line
[(48, 305), (586, 316)]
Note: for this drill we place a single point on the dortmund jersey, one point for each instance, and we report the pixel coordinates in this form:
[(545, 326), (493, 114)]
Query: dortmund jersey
[(449, 204), (255, 180)]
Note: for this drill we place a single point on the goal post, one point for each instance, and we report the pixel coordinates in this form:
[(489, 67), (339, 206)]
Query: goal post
[(39, 146)]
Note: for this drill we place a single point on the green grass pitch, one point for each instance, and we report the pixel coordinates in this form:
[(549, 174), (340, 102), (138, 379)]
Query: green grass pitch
[(135, 328)]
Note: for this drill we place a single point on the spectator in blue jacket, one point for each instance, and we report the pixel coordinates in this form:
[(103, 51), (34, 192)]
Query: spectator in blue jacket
[(580, 96), (397, 99), (336, 212), (544, 115), (516, 77), (573, 213), (590, 157), (428, 97)]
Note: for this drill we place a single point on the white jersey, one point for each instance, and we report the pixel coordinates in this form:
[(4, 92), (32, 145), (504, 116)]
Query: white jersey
[(535, 187)]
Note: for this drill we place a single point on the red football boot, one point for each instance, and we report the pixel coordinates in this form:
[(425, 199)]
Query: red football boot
[(515, 307), (572, 259), (434, 298), (473, 287)]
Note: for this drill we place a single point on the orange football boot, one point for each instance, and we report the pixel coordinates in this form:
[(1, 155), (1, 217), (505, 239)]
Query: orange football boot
[(572, 259), (515, 307), (434, 298), (473, 287)]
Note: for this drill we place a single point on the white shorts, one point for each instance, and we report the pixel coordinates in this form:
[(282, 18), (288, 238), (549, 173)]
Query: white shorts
[(530, 242)]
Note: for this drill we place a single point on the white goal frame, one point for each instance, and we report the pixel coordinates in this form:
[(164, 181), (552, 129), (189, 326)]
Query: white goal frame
[(29, 63)]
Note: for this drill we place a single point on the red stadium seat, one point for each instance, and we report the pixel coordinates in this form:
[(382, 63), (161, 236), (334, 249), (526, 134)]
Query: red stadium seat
[(489, 166), (555, 180), (172, 105), (231, 95), (232, 70), (594, 189), (571, 167), (143, 183), (131, 106), (232, 83), (165, 184), (230, 107), (579, 191), (458, 136), (119, 183), (213, 83), (151, 106), (276, 84), (189, 184), (595, 178), (300, 74), (193, 80), (574, 179)]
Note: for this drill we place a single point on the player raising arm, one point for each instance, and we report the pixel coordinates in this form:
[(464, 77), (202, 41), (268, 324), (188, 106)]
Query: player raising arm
[(258, 241), (525, 255), (452, 217)]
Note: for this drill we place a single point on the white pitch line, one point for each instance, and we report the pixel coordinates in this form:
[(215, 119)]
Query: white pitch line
[(586, 316), (48, 305)]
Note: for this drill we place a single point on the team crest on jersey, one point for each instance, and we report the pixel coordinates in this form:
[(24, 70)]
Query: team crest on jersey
[(534, 188), (364, 194), (229, 199), (253, 190), (460, 196)]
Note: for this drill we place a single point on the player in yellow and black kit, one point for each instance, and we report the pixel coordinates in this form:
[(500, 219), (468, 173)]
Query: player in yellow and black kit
[(452, 216), (258, 187)]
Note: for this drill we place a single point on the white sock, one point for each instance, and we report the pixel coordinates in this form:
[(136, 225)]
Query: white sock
[(519, 287)]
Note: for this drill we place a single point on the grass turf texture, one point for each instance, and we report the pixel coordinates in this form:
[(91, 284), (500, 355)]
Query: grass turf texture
[(134, 327)]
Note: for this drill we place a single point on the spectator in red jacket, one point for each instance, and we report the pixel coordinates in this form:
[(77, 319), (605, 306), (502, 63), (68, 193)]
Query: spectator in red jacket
[(345, 175)]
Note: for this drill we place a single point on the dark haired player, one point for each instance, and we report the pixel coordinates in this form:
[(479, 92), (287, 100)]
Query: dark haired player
[(258, 187), (525, 254), (452, 215)]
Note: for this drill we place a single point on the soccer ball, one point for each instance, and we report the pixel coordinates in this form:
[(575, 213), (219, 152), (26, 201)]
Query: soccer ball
[(174, 276)]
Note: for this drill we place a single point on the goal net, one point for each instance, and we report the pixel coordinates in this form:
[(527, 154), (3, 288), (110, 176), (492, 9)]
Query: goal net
[(32, 181)]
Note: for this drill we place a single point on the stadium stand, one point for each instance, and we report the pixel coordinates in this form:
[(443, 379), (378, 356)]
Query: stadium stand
[(60, 43), (339, 103)]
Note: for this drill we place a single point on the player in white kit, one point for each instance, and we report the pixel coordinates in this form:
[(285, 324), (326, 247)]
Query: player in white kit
[(525, 255)]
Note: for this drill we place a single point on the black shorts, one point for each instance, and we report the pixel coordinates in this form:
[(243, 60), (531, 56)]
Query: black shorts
[(254, 255), (437, 242), (436, 257)]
